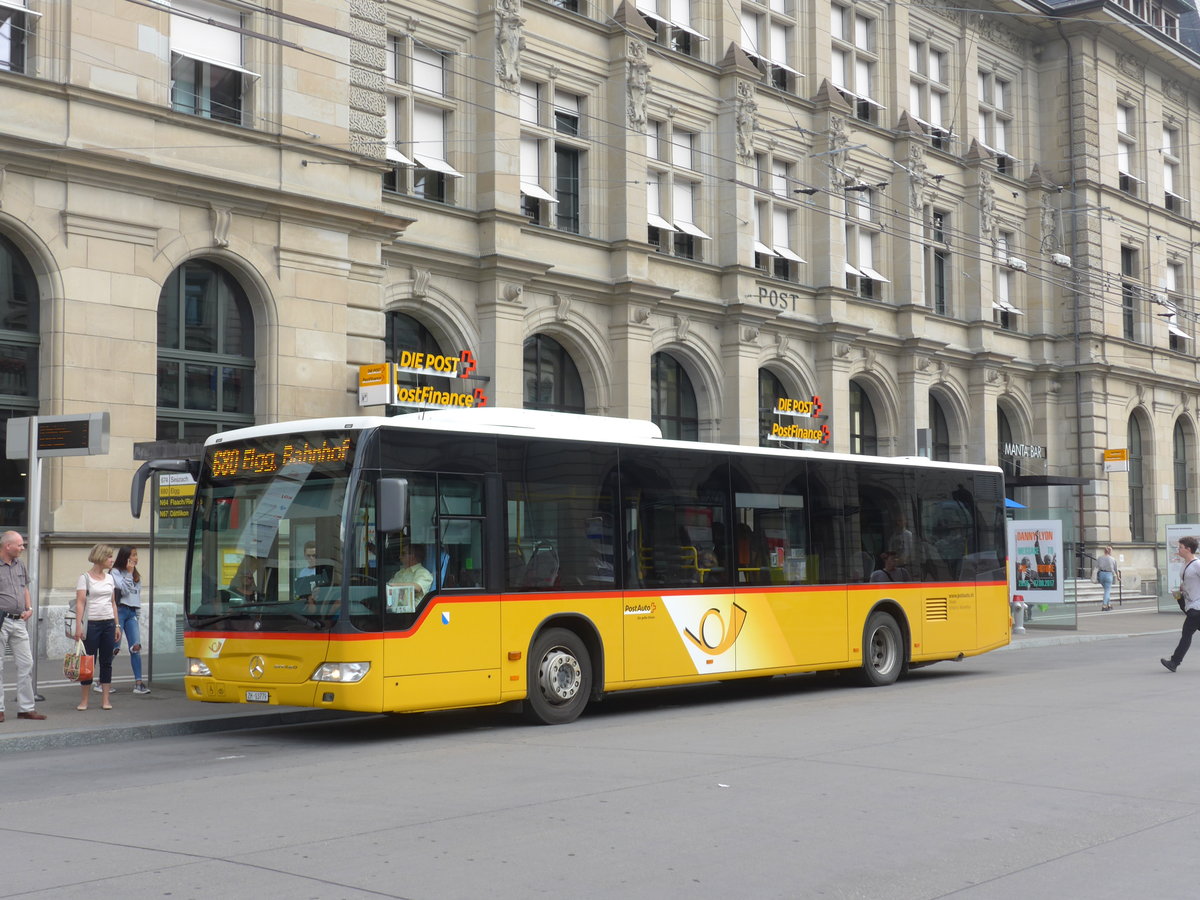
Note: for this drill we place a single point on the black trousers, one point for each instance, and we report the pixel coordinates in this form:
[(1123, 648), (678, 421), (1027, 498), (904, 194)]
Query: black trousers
[(101, 640), (1191, 624)]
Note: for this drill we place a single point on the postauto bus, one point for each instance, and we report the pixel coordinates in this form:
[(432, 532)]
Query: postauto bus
[(472, 557)]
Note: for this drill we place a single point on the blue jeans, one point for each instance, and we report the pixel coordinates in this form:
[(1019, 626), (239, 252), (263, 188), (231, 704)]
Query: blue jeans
[(100, 642), (1106, 581), (133, 636)]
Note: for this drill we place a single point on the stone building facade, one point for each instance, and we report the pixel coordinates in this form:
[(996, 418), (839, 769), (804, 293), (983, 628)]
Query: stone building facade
[(963, 231)]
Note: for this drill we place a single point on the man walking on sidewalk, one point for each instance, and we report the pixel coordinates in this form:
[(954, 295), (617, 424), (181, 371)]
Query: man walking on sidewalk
[(16, 608), (1189, 584)]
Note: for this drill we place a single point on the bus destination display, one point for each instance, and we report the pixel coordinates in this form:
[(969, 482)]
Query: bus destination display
[(263, 460)]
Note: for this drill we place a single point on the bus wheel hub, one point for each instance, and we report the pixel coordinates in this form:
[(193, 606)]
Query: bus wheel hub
[(559, 676)]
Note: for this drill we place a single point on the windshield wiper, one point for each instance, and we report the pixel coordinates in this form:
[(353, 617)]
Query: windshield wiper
[(257, 611)]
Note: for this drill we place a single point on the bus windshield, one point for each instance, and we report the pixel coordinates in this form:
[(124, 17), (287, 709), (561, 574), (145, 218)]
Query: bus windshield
[(268, 536)]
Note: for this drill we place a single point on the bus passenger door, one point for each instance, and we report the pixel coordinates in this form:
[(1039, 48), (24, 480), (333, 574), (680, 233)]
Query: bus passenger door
[(441, 623)]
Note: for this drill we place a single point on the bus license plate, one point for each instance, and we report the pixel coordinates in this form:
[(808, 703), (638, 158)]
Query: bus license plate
[(258, 697)]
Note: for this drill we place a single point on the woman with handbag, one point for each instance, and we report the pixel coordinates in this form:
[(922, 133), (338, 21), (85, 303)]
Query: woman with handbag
[(94, 593), (128, 581), (1107, 572)]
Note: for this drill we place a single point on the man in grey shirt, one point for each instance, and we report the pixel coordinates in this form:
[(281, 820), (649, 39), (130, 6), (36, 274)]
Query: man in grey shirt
[(1189, 584), (16, 608)]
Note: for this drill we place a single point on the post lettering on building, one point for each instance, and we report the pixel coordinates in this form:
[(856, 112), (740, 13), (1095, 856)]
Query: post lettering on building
[(799, 432), (379, 384)]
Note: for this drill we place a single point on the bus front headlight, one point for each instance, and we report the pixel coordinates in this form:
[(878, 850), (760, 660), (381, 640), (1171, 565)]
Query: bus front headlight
[(342, 672), (197, 667)]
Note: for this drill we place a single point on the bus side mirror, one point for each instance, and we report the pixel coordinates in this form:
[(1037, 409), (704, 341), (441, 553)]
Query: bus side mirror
[(391, 506)]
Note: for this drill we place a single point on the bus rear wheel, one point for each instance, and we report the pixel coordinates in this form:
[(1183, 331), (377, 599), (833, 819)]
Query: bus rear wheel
[(883, 650), (560, 678)]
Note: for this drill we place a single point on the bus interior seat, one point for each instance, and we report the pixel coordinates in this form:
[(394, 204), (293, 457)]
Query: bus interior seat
[(541, 570)]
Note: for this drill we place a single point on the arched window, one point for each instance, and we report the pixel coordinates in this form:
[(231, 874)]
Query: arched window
[(770, 389), (672, 399), (205, 354), (404, 333), (551, 378), (939, 431), (19, 305), (1008, 462), (1179, 460), (1137, 511), (863, 436)]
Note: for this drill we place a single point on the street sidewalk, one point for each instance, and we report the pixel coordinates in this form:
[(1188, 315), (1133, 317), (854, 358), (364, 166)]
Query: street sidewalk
[(166, 712), (1130, 619)]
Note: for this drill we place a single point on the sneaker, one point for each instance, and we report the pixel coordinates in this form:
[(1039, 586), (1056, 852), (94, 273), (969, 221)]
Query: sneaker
[(1169, 664), (141, 689), (96, 689)]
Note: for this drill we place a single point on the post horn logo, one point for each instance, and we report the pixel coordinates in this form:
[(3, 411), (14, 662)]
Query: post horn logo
[(737, 618)]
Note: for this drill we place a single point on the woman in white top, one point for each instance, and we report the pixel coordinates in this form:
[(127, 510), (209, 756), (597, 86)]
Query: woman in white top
[(94, 592), (1106, 572)]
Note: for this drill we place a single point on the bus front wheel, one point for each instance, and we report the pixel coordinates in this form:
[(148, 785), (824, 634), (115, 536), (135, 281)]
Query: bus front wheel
[(560, 678), (883, 650)]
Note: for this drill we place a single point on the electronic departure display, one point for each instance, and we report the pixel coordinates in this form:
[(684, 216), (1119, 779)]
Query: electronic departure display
[(266, 457)]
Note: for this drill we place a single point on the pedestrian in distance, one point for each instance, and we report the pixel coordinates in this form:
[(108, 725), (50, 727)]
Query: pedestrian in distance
[(1189, 589), (94, 594), (1107, 572), (16, 607), (128, 581)]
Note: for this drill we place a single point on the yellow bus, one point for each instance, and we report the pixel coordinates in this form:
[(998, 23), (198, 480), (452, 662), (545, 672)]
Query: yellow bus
[(460, 558)]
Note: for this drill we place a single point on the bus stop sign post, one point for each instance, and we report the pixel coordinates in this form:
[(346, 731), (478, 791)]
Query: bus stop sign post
[(82, 435)]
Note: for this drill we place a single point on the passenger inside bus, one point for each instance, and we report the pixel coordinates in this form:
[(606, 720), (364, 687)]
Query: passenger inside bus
[(891, 568), (412, 574)]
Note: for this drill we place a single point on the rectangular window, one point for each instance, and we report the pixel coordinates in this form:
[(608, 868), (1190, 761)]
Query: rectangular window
[(653, 137), (1178, 337), (561, 515), (683, 149), (938, 263), (683, 205), (1127, 179), (853, 61), (567, 113), (996, 118), (431, 177), (531, 93), (781, 178), (567, 164), (429, 71), (533, 196), (207, 77), (1172, 184), (929, 92), (1004, 309), (671, 21), (1130, 293), (15, 23)]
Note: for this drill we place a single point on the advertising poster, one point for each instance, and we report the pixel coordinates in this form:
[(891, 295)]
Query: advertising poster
[(1035, 549), (1174, 563)]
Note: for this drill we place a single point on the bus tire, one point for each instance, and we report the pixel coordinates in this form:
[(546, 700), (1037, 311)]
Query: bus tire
[(560, 678), (883, 650)]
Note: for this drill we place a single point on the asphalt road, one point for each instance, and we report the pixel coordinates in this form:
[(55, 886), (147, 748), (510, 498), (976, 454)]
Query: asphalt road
[(1056, 771)]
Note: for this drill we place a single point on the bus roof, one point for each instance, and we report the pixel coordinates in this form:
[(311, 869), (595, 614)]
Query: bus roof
[(497, 420)]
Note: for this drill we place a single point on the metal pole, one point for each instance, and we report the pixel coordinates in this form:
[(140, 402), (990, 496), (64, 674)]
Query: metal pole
[(34, 490)]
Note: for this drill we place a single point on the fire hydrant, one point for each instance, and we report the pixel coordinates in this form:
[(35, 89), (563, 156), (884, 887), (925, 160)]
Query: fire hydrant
[(1018, 613)]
